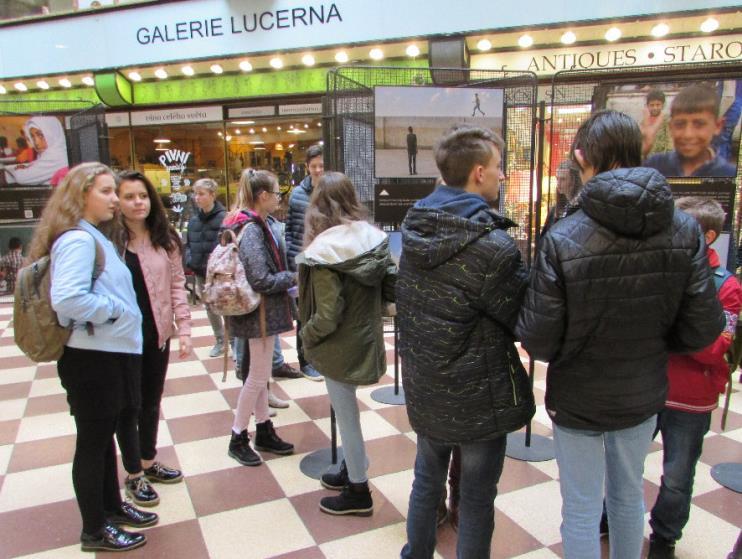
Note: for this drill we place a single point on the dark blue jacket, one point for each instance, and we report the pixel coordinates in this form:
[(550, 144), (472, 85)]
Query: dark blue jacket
[(298, 204), (203, 236)]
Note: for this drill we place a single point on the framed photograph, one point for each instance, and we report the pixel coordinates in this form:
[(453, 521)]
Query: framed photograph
[(409, 120)]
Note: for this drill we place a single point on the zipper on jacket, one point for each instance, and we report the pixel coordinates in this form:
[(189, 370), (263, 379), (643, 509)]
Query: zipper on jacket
[(512, 382)]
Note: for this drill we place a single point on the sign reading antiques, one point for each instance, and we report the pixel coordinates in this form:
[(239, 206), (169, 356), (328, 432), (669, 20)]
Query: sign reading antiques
[(678, 51)]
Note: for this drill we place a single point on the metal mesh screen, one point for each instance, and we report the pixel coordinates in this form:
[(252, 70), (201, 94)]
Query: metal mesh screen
[(576, 93), (88, 136), (349, 130)]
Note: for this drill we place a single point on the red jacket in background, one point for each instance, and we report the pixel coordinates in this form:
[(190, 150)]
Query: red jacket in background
[(696, 380)]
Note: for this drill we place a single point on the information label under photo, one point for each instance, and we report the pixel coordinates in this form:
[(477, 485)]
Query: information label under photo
[(23, 203), (721, 190), (391, 201)]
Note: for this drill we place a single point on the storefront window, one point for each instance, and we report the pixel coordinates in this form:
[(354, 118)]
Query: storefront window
[(276, 144), (174, 157), (119, 145)]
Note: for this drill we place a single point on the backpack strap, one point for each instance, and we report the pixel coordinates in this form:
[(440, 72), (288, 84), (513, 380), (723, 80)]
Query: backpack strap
[(720, 276)]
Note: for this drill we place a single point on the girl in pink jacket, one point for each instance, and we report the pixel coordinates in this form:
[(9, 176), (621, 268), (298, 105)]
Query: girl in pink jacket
[(152, 251)]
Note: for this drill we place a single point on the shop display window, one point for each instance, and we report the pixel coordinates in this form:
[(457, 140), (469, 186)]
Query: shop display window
[(119, 145)]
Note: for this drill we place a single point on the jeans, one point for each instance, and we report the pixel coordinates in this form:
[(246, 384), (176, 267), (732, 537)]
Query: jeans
[(682, 443), (481, 466), (585, 458), (254, 394), (239, 348), (345, 404), (137, 428), (214, 319)]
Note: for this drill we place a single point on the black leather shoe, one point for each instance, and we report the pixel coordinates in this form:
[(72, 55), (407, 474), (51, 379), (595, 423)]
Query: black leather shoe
[(111, 538), (159, 473), (140, 491), (131, 516)]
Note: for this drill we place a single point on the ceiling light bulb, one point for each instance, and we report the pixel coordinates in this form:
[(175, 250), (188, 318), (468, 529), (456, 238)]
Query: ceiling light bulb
[(216, 68), (660, 30), (276, 63), (187, 70), (484, 45), (412, 50), (613, 34), (278, 127), (568, 38), (710, 25), (135, 76), (161, 73), (525, 41), (265, 129), (308, 60), (245, 66), (306, 126), (3, 91), (41, 84), (237, 131), (20, 86), (376, 54), (252, 130), (341, 57), (88, 80), (228, 138), (64, 82)]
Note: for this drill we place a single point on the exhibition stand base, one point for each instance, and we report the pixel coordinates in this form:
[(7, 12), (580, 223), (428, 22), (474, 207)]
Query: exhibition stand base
[(540, 449), (390, 394), (728, 474), (319, 462)]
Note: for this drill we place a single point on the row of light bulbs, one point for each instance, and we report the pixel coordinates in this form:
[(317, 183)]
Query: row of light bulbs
[(661, 29), (613, 34), (276, 62)]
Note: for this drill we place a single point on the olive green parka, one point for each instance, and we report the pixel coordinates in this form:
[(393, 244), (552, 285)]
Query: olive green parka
[(346, 275)]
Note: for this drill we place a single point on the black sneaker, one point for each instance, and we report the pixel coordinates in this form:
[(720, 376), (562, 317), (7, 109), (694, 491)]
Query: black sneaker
[(660, 548), (159, 473), (111, 538), (355, 499), (140, 491), (267, 439), (240, 450), (130, 516), (336, 481)]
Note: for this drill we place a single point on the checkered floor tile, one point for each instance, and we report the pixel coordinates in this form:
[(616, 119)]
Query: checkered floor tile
[(224, 510)]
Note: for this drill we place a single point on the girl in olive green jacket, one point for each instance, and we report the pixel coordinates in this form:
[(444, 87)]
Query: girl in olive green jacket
[(345, 276)]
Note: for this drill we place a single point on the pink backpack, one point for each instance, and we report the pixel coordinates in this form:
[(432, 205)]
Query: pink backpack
[(226, 289)]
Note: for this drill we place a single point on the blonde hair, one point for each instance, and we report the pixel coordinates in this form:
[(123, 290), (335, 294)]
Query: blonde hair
[(333, 202), (66, 206), (207, 184)]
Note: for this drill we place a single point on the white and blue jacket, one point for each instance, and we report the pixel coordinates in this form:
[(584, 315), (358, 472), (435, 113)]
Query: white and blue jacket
[(110, 306)]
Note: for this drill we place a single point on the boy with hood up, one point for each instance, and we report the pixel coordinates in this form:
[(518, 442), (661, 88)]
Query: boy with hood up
[(460, 285)]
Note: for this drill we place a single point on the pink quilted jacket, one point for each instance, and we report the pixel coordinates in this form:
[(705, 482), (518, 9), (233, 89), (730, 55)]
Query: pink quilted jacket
[(163, 274)]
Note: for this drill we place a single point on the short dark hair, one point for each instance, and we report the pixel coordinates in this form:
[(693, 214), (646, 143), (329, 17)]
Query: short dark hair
[(461, 148), (655, 95), (14, 243), (696, 98), (707, 212), (609, 139), (409, 128), (313, 151)]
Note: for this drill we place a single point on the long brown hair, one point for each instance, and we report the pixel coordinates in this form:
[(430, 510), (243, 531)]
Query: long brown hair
[(161, 232), (65, 208), (333, 202)]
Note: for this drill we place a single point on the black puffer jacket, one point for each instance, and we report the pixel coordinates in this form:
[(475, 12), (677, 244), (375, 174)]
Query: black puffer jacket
[(298, 204), (460, 284), (203, 236), (617, 285)]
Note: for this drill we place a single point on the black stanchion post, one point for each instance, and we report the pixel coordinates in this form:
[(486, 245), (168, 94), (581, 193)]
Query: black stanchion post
[(393, 395), (323, 460)]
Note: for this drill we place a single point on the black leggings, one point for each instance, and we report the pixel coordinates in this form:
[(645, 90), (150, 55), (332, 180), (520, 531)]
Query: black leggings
[(98, 385), (137, 427)]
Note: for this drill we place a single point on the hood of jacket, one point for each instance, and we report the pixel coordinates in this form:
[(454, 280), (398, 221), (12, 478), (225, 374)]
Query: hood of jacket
[(634, 202), (206, 216), (356, 249), (445, 223)]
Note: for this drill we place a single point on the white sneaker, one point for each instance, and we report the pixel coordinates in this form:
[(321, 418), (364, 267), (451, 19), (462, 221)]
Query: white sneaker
[(276, 402)]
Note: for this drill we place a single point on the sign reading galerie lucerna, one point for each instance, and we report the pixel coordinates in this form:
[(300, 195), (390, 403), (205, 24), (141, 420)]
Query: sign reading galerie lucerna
[(170, 31)]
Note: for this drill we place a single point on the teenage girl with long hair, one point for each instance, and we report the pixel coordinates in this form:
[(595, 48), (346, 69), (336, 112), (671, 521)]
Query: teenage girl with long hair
[(102, 358), (346, 274), (153, 253), (266, 271)]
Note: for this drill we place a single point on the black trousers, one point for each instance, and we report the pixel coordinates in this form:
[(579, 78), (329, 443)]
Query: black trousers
[(137, 426), (300, 347), (99, 385)]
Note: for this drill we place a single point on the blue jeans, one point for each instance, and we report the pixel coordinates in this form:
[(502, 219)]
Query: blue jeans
[(345, 404), (682, 443), (481, 466), (590, 461)]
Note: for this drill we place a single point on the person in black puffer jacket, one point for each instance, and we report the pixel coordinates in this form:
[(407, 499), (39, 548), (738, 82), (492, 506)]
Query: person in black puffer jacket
[(616, 285), (298, 204), (461, 281), (202, 237)]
